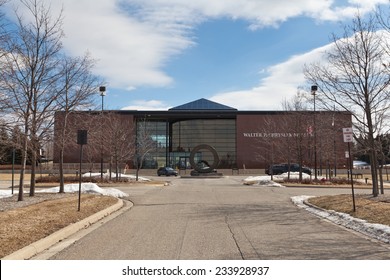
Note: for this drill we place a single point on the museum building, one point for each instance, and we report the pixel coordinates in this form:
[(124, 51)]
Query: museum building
[(241, 139)]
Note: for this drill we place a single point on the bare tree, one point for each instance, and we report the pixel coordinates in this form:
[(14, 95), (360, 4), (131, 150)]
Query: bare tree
[(5, 143), (4, 37), (355, 77), (297, 111), (120, 140), (93, 122), (4, 31), (77, 87), (30, 76), (283, 137), (144, 144)]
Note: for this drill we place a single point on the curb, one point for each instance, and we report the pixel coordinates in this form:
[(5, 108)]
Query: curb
[(44, 243), (377, 232)]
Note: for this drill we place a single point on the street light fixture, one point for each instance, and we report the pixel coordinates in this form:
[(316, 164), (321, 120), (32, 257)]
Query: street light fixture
[(102, 90), (313, 92)]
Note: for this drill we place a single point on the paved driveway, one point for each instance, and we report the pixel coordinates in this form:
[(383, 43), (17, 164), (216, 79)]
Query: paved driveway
[(221, 219)]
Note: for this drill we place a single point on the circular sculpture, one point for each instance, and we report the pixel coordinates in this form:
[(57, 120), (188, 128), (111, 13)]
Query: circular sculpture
[(211, 167)]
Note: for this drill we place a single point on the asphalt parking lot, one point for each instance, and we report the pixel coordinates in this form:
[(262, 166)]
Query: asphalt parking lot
[(221, 219)]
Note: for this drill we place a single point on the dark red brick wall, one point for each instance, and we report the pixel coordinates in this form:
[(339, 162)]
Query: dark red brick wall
[(98, 129), (263, 139)]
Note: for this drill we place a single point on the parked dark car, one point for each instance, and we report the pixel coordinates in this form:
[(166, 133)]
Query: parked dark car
[(167, 171), (276, 169)]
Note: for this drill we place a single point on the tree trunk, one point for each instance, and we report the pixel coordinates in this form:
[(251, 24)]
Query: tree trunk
[(61, 171), (372, 152), (374, 173), (380, 173), (383, 163), (62, 147), (23, 167), (33, 171), (116, 165)]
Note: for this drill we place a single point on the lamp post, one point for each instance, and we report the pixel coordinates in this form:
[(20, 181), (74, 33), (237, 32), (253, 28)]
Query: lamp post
[(313, 92), (102, 90)]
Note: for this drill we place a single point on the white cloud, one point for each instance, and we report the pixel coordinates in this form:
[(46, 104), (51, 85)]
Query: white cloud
[(146, 105), (129, 52), (258, 13), (280, 84), (133, 40)]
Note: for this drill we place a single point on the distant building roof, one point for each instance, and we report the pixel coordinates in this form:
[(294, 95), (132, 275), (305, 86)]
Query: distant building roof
[(202, 104)]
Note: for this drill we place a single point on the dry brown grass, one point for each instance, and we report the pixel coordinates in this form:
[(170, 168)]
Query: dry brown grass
[(369, 208), (22, 226)]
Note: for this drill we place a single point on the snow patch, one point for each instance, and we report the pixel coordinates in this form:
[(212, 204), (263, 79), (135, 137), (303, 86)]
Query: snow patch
[(276, 179), (71, 188), (377, 231), (261, 180), (6, 193), (113, 175)]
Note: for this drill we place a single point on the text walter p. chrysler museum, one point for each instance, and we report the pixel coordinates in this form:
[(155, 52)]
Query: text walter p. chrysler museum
[(274, 134)]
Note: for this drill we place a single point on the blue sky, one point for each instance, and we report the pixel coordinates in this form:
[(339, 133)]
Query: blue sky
[(247, 54)]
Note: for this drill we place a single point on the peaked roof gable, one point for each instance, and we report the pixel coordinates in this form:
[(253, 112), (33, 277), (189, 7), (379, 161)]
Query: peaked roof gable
[(202, 104)]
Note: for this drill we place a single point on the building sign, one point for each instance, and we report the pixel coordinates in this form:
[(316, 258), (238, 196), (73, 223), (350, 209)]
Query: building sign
[(273, 134)]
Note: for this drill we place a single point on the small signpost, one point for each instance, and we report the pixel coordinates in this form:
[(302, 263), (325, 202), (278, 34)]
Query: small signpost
[(348, 138), (81, 140)]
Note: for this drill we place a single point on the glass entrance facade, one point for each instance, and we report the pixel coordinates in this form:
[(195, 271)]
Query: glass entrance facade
[(218, 133), (152, 141), (171, 144)]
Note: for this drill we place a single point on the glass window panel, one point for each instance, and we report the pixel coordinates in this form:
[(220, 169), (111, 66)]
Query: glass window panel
[(220, 134)]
